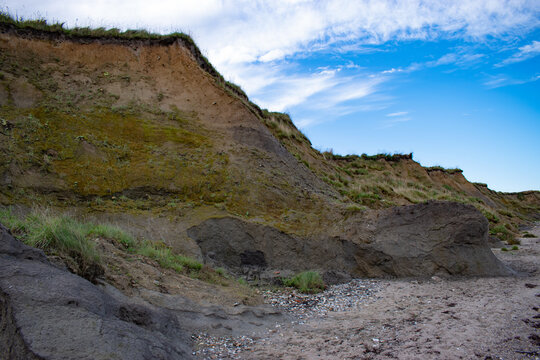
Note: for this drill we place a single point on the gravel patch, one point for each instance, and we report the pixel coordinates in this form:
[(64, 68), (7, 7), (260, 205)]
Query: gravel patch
[(342, 297), (211, 347), (337, 298)]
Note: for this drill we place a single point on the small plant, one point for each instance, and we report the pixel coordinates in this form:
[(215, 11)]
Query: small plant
[(515, 247), (492, 218), (114, 233), (528, 235), (504, 234), (308, 282), (513, 241), (353, 209), (504, 249), (166, 258)]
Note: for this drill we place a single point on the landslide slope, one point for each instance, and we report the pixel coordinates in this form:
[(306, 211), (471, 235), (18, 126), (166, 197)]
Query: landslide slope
[(131, 126)]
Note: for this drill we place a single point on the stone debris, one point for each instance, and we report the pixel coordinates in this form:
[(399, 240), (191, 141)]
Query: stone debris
[(342, 297), (211, 347), (337, 298)]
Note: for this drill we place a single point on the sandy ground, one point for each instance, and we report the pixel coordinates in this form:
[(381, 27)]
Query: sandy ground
[(475, 318)]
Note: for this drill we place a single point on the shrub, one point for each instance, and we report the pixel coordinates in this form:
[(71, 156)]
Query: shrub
[(528, 235), (307, 282)]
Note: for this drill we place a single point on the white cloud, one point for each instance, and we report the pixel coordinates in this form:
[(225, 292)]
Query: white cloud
[(400, 113), (505, 80), (352, 89), (462, 59), (286, 91), (524, 53), (395, 119)]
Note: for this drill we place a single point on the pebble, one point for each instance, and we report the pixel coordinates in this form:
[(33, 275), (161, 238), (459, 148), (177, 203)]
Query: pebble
[(212, 347), (336, 298)]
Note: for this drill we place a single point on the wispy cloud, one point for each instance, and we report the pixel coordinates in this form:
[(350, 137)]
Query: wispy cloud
[(286, 91), (399, 113), (393, 122), (463, 59), (505, 80), (328, 88), (395, 118), (525, 52)]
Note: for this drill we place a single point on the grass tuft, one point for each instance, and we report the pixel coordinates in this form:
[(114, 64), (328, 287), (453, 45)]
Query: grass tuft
[(307, 282), (72, 240), (166, 258), (60, 236)]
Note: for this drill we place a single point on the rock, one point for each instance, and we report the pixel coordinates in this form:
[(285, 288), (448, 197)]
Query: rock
[(49, 313), (495, 242), (247, 248), (435, 238), (333, 277)]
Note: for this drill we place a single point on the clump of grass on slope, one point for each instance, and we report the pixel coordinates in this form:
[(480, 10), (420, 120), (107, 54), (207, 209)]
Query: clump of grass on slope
[(504, 234), (306, 282), (58, 235), (166, 258), (68, 238)]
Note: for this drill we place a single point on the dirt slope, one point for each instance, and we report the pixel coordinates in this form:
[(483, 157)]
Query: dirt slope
[(143, 126)]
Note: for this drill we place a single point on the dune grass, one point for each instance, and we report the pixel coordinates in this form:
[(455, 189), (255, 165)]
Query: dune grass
[(308, 282), (56, 233), (66, 237), (166, 258)]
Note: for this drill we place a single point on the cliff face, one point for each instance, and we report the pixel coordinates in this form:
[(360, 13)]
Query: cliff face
[(147, 127), (91, 119)]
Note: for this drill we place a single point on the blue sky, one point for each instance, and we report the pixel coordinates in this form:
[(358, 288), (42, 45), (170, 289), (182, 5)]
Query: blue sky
[(455, 82)]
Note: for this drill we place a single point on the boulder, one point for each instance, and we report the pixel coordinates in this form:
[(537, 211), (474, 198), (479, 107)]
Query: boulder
[(434, 238), (49, 313), (253, 250)]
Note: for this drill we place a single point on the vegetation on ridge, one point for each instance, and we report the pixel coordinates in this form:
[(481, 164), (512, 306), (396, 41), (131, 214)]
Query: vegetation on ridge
[(76, 242)]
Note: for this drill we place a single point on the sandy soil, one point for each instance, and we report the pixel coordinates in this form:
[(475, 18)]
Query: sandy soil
[(475, 318)]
